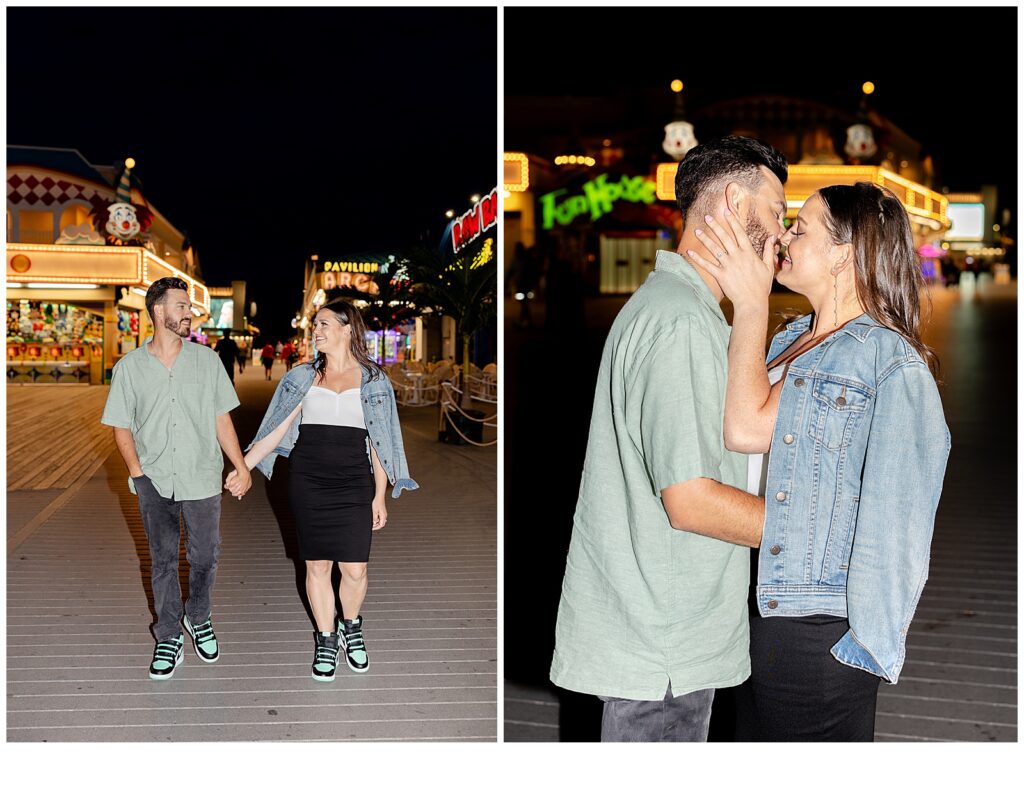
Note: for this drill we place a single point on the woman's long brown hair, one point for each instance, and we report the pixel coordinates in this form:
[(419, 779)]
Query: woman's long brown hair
[(888, 271), (347, 314)]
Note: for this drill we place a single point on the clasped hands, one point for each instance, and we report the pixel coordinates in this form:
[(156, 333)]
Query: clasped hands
[(744, 274), (238, 483)]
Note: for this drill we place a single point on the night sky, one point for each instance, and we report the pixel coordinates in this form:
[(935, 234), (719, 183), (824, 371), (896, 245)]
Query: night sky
[(946, 76), (270, 134)]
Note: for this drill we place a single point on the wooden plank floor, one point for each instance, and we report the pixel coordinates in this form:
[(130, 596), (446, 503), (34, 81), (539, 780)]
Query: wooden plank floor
[(430, 616), (959, 682), (54, 434)]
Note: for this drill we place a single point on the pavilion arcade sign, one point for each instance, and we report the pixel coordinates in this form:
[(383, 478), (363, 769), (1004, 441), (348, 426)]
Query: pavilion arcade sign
[(598, 198), (353, 274)]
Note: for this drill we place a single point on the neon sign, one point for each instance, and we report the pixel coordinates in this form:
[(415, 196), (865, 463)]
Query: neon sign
[(351, 266), (473, 223), (599, 195)]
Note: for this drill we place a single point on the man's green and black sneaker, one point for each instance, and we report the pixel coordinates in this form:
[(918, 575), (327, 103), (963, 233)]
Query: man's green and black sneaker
[(350, 631), (204, 640), (325, 656), (166, 657)]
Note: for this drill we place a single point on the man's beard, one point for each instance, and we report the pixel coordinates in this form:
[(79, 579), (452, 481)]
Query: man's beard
[(176, 329), (756, 232)]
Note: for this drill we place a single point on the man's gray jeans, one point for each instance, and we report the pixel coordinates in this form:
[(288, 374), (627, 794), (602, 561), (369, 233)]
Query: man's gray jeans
[(161, 518), (673, 719)]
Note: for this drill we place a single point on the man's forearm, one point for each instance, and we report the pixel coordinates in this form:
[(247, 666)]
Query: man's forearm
[(228, 440), (126, 445), (710, 508)]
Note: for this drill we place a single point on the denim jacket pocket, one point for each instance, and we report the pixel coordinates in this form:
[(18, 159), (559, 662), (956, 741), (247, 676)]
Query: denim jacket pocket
[(837, 412), (836, 562)]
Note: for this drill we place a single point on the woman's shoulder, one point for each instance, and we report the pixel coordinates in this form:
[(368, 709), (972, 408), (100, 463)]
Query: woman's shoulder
[(376, 381)]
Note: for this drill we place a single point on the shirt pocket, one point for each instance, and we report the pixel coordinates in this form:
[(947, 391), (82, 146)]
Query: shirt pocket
[(837, 410)]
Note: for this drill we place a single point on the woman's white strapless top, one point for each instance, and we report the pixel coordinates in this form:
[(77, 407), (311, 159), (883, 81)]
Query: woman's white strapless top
[(321, 406), (757, 464)]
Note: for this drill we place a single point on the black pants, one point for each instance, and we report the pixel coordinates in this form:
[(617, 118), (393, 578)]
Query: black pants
[(684, 718), (797, 691), (161, 518)]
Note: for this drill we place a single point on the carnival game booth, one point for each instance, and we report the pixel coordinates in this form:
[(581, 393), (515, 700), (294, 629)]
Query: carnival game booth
[(74, 310)]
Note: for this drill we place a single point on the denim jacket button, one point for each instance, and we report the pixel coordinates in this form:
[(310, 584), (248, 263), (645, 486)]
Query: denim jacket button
[(780, 496), (788, 438), (773, 604), (775, 550), (798, 382)]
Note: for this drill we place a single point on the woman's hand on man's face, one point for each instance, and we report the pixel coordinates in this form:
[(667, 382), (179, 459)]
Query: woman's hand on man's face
[(744, 274)]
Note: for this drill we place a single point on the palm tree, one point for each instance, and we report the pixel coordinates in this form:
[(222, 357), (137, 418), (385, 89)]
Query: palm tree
[(464, 288)]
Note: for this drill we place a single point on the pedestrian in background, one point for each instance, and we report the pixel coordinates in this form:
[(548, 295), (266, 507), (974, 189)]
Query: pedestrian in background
[(228, 352), (169, 405), (267, 357)]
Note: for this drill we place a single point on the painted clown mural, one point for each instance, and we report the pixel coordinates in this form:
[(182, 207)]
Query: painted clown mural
[(121, 222)]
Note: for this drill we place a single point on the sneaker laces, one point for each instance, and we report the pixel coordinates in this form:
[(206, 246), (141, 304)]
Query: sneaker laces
[(325, 653), (204, 633), (354, 640), (166, 651)]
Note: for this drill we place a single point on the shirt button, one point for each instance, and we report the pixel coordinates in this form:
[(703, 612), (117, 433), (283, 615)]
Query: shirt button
[(788, 438), (840, 401), (798, 382), (780, 496), (775, 550), (773, 604)]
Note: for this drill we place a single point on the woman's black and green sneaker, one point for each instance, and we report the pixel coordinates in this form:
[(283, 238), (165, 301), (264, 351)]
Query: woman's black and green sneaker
[(350, 631), (325, 656)]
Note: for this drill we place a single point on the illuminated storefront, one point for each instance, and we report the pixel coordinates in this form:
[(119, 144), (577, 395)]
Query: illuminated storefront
[(73, 311), (395, 343), (615, 221), (83, 245)]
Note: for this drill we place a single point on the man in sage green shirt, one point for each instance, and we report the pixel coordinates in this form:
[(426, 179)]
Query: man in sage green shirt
[(169, 405), (653, 614)]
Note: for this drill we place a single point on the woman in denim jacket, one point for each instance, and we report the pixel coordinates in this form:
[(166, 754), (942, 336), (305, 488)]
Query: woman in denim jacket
[(850, 416), (337, 419)]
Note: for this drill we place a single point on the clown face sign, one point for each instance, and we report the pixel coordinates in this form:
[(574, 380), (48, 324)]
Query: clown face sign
[(122, 221), (679, 139), (860, 142)]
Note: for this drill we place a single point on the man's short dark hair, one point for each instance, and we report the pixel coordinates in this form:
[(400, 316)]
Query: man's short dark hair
[(158, 289), (708, 167)]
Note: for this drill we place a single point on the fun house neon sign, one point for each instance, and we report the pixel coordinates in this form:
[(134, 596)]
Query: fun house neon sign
[(598, 198), (482, 216)]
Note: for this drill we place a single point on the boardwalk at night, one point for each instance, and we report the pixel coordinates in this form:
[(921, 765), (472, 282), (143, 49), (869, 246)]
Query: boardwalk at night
[(80, 578), (960, 678)]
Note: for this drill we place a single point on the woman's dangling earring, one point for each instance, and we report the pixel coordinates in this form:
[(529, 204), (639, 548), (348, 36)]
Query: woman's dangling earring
[(836, 296)]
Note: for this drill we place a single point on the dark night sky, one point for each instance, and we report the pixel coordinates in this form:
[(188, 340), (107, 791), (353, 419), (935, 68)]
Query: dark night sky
[(946, 76), (270, 134)]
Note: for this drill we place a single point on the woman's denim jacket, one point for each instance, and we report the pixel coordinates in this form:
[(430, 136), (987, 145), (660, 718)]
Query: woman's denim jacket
[(854, 476), (379, 413)]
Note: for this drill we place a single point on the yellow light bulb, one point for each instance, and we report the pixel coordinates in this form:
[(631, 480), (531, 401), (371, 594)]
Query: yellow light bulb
[(868, 88), (130, 163), (677, 86)]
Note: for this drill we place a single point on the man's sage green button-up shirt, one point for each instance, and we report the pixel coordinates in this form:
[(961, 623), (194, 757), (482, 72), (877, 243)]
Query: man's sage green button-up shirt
[(172, 414), (644, 604)]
